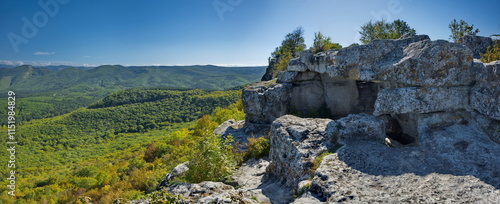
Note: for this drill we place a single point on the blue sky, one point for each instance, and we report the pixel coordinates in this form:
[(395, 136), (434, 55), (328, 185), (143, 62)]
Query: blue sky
[(188, 32)]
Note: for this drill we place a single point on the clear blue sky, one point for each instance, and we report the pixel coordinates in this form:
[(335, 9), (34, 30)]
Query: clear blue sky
[(168, 32)]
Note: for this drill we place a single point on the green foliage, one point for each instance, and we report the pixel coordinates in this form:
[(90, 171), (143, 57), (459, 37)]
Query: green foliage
[(322, 43), (88, 171), (213, 160), (290, 47), (293, 43), (163, 197), (43, 93), (258, 148), (460, 29), (118, 168), (86, 127), (492, 53), (384, 30)]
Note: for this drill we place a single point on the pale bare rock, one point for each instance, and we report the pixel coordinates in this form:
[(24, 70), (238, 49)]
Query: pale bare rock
[(485, 95), (478, 44), (263, 104), (295, 142), (456, 163), (251, 177), (421, 100)]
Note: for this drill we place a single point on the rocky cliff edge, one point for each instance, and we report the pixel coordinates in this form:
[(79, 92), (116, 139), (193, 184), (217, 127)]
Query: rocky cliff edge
[(418, 121)]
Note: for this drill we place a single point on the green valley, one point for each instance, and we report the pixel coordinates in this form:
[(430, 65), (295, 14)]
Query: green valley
[(47, 93), (118, 147)]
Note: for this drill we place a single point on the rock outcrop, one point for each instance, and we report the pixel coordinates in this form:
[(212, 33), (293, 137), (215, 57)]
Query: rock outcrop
[(456, 164), (418, 122), (401, 78), (297, 143), (430, 99), (478, 44), (485, 96), (263, 104)]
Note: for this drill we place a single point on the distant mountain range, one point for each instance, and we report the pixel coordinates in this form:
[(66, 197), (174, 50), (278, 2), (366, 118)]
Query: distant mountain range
[(29, 79), (51, 67)]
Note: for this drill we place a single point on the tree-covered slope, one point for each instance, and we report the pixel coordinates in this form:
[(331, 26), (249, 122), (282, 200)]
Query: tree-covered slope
[(101, 151), (44, 93)]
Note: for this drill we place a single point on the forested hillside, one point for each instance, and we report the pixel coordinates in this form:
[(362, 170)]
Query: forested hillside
[(44, 93), (99, 151)]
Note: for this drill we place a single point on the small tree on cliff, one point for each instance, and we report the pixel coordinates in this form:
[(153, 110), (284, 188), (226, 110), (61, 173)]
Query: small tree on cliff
[(460, 29), (290, 47), (322, 43), (384, 30)]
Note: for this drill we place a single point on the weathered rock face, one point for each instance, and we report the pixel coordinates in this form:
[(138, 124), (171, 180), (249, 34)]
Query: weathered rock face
[(210, 192), (269, 70), (263, 104), (421, 100), (485, 96), (356, 127), (432, 63), (337, 83), (419, 121), (296, 141), (478, 44), (456, 163), (357, 62)]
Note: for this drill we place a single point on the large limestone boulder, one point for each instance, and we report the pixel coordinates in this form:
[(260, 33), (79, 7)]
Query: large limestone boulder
[(357, 127), (431, 63), (264, 103), (412, 61), (295, 143), (356, 62), (478, 44), (421, 100)]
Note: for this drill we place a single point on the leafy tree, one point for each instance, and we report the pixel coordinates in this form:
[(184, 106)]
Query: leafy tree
[(290, 47), (322, 43), (460, 29), (384, 30)]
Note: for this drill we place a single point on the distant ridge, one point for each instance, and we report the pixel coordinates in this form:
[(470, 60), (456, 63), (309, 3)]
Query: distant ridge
[(30, 79)]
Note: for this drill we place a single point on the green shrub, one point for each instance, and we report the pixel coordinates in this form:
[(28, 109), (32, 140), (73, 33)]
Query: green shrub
[(384, 30), (258, 147), (214, 160), (492, 53)]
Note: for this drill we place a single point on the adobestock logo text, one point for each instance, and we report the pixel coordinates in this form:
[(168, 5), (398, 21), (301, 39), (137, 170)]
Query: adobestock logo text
[(30, 26)]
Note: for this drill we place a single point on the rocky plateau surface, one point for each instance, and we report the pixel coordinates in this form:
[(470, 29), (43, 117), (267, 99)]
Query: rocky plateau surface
[(417, 121)]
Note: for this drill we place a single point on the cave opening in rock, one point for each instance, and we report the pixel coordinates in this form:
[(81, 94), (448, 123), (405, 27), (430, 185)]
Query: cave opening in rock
[(394, 131), (402, 138)]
